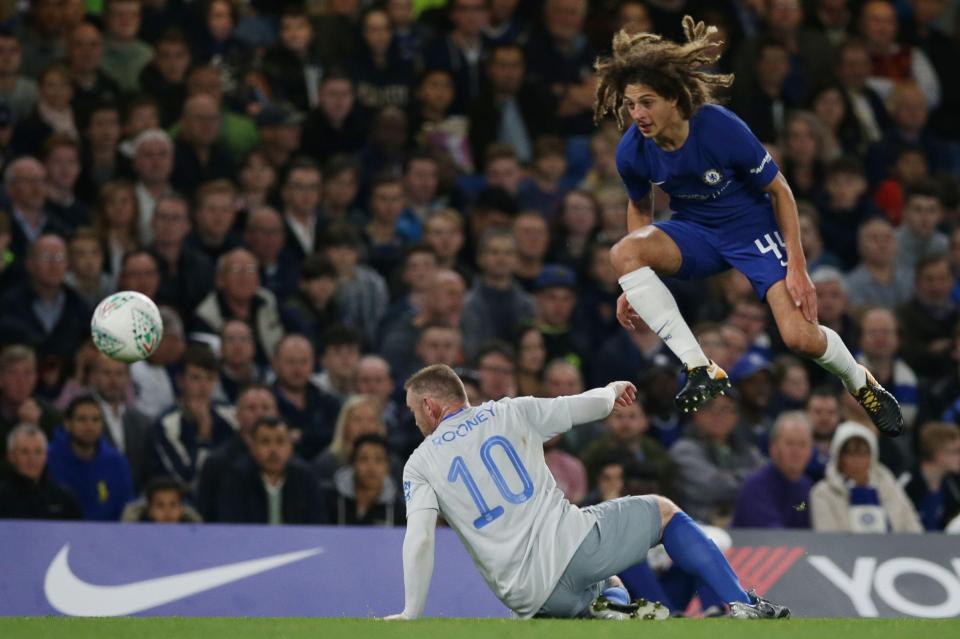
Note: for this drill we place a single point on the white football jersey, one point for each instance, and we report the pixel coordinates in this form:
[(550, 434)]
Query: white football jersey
[(483, 469)]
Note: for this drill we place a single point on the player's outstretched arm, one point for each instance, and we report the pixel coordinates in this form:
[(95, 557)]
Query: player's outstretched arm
[(557, 415), (418, 556)]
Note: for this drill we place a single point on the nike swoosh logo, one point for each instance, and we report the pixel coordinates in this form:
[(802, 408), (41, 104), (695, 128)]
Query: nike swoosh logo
[(658, 183), (72, 596)]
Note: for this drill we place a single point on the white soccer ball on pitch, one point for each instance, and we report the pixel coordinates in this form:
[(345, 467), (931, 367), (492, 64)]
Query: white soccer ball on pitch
[(127, 327)]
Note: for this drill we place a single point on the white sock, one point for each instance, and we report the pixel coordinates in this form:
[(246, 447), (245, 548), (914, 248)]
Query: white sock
[(838, 360), (655, 305)]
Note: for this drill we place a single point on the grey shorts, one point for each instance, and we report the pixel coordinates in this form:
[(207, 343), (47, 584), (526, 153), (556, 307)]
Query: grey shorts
[(626, 529)]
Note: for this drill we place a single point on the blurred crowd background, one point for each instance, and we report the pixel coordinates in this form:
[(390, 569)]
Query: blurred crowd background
[(323, 197)]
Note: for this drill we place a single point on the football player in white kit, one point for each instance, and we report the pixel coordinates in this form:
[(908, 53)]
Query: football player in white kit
[(483, 468)]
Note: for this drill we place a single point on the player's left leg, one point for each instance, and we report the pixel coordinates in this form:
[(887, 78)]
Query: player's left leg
[(696, 554), (824, 346)]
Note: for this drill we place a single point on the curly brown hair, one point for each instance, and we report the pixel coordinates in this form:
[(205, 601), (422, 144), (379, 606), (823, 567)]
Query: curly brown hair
[(670, 69)]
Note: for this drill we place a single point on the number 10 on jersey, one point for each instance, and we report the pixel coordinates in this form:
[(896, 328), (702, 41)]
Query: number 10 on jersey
[(458, 470)]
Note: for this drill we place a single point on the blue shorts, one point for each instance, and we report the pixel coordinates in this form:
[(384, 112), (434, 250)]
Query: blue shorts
[(756, 249)]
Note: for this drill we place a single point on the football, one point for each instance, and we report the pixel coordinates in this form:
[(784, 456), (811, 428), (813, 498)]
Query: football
[(126, 326)]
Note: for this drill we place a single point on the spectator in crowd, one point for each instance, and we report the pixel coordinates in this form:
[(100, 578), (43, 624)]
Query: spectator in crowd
[(876, 280), (360, 415), (18, 89), (264, 236), (496, 305), (389, 229), (338, 361), (152, 164), (792, 384), (909, 170), (186, 274), (832, 303), (116, 223), (825, 412), (364, 493), (894, 63), (341, 184), (124, 55), (84, 60), (314, 306), (375, 378), (879, 346), (412, 283), (531, 359), (238, 365), (909, 113), (844, 206), (509, 109), (280, 128), (86, 276), (24, 180), (439, 343), (542, 190), (383, 77), (253, 402), (310, 412), (28, 490), (165, 78), (934, 484), (153, 377), (859, 494), (610, 480), (421, 184), (39, 35), (443, 232), (52, 113), (764, 106), (292, 65), (162, 503), (461, 51), (752, 377), (560, 58), (555, 293), (918, 235), (198, 157), (214, 216), (926, 321), (61, 158), (361, 291), (776, 495), (273, 487), (238, 295), (567, 470), (444, 304), (408, 34), (237, 133), (712, 461), (256, 178), (337, 125), (81, 459), (102, 160), (533, 242), (597, 305), (648, 468), (624, 353), (495, 371), (300, 194), (139, 272), (578, 223), (126, 428), (43, 312), (187, 432)]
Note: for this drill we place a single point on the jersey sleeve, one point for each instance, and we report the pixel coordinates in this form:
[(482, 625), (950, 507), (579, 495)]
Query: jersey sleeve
[(629, 166), (747, 155), (546, 417), (417, 492)]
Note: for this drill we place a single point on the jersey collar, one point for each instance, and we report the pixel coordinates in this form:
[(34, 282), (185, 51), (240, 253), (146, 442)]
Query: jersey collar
[(454, 413)]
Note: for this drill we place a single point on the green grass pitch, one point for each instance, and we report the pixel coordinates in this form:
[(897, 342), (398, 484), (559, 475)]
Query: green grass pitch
[(185, 628)]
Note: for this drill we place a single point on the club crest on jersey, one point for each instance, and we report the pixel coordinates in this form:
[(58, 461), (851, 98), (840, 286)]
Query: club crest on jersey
[(712, 177)]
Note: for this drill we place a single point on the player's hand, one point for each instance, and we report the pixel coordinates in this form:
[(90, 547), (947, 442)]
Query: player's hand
[(400, 616), (625, 391), (627, 317), (802, 292)]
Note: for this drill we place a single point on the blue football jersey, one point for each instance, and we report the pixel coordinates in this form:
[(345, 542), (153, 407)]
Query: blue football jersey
[(715, 177)]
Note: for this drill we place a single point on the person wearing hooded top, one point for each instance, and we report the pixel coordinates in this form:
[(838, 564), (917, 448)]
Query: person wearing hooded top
[(858, 493)]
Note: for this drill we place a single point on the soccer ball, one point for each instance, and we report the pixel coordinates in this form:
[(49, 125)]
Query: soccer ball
[(127, 327)]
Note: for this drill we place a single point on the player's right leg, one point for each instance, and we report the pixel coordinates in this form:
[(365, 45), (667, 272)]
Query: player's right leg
[(696, 554), (670, 248)]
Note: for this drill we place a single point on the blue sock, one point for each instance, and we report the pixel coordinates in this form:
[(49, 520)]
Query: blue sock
[(694, 552)]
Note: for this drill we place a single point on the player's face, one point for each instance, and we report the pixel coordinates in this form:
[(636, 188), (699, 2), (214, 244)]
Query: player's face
[(418, 406), (649, 110)]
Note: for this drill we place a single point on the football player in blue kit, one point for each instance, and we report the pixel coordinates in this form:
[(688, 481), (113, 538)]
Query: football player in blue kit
[(732, 208)]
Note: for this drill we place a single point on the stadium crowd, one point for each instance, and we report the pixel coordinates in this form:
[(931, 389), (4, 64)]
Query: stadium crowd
[(323, 197)]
